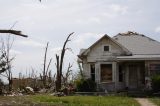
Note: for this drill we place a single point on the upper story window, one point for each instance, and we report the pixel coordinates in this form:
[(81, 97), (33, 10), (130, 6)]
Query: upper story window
[(106, 48)]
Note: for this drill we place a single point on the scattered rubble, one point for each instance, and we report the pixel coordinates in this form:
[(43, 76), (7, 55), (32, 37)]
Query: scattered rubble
[(29, 90), (59, 94), (43, 90), (129, 33)]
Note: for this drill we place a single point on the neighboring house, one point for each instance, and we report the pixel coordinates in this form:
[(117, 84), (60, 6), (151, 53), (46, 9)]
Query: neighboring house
[(125, 61)]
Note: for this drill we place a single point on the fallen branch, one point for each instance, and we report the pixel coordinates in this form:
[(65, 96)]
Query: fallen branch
[(15, 32)]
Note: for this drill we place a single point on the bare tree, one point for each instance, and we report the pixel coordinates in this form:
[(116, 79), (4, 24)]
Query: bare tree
[(65, 76), (7, 58), (59, 63), (45, 74), (3, 64)]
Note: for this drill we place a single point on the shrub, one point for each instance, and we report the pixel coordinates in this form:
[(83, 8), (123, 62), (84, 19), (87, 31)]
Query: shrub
[(85, 85), (156, 83), (1, 86)]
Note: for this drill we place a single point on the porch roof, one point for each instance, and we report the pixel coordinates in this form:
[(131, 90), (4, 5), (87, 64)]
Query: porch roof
[(139, 57)]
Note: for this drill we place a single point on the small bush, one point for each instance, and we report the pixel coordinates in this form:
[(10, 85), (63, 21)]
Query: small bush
[(1, 86), (85, 85), (156, 83)]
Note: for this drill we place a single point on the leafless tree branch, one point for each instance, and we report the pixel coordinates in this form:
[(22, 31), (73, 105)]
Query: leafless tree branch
[(15, 32)]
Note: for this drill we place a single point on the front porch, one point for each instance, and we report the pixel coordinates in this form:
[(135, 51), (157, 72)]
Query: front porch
[(124, 75), (131, 75)]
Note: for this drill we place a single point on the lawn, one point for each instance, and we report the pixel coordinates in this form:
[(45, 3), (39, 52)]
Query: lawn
[(48, 100), (155, 100)]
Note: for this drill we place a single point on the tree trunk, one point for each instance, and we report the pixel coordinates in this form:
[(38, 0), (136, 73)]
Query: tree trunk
[(58, 78), (59, 64)]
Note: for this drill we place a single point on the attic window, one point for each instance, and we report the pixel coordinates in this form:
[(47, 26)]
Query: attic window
[(106, 48)]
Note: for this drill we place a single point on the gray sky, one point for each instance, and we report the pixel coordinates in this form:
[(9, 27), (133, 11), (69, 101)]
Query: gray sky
[(52, 20)]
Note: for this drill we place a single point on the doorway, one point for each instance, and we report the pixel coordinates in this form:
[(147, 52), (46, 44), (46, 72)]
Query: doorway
[(133, 77)]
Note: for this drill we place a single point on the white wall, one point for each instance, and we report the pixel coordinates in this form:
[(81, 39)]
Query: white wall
[(97, 53)]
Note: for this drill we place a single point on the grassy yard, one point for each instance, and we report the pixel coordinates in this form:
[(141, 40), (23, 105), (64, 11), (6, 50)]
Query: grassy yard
[(155, 100), (47, 100)]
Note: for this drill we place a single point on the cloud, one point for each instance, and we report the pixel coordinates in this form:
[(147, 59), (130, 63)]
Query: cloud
[(90, 20), (95, 20), (12, 51), (56, 50), (31, 43), (157, 29), (118, 8), (84, 38), (114, 10)]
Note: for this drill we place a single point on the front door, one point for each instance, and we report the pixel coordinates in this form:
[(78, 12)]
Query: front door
[(133, 77)]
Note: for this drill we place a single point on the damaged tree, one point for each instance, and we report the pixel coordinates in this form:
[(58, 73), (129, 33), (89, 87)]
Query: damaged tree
[(45, 74), (59, 63), (7, 59), (66, 76)]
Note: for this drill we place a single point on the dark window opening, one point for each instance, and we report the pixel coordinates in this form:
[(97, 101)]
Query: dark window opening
[(120, 74), (106, 72), (106, 48), (154, 69), (92, 68)]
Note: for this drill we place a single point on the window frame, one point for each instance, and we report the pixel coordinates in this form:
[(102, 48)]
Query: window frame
[(109, 48), (111, 73)]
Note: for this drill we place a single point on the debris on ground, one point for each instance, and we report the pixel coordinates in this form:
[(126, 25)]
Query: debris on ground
[(29, 90)]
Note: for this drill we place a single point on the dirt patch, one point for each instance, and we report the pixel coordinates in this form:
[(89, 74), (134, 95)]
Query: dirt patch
[(144, 102)]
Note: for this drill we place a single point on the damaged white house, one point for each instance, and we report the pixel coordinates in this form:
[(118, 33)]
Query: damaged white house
[(125, 61)]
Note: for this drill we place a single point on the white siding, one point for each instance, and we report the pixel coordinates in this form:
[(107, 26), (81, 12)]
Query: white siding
[(86, 69), (97, 53)]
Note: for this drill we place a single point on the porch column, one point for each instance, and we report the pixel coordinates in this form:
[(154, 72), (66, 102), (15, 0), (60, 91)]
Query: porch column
[(97, 72), (113, 71), (127, 76), (147, 76), (114, 75)]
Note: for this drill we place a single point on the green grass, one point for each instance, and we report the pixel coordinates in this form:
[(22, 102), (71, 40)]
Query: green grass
[(48, 100), (86, 100), (155, 100)]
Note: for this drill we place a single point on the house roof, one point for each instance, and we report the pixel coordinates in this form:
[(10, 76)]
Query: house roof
[(138, 44), (81, 51), (84, 52)]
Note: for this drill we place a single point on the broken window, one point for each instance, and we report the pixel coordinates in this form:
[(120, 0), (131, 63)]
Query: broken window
[(106, 72), (92, 68)]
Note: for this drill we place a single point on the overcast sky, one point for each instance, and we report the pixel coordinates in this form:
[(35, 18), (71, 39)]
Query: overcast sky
[(52, 20)]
